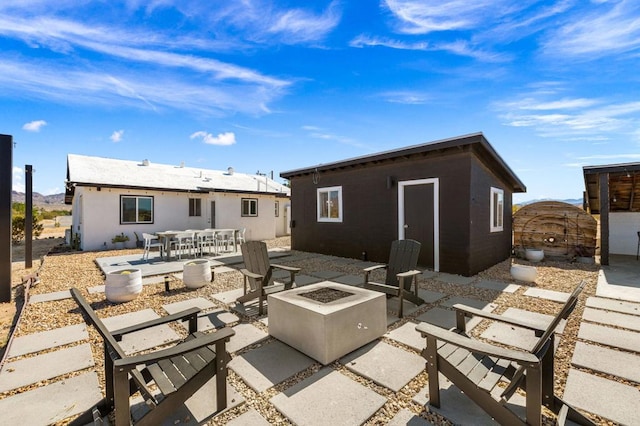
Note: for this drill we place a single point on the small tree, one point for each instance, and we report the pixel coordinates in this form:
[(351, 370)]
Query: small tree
[(18, 225)]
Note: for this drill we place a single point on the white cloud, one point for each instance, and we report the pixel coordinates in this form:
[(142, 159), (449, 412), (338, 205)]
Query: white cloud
[(117, 136), (224, 139), (364, 41), (18, 179), (406, 97), (34, 126)]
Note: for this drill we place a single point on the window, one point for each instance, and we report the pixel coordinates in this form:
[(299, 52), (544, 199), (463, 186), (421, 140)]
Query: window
[(497, 209), (195, 207), (249, 207), (330, 204), (135, 209), (277, 208)]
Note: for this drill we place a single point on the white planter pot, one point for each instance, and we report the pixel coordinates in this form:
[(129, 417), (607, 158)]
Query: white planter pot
[(534, 255), (197, 273), (123, 285), (524, 273)]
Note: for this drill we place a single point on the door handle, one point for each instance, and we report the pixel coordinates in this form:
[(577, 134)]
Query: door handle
[(406, 226)]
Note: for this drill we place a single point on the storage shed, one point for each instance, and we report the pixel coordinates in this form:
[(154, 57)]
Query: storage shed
[(452, 195)]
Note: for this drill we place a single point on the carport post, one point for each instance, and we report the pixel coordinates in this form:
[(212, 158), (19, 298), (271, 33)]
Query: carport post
[(6, 184), (28, 217)]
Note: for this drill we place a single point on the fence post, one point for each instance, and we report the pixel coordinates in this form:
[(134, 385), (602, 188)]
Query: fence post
[(6, 185), (28, 217)]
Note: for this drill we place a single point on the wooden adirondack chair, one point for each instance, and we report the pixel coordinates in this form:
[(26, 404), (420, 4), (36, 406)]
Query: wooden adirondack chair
[(476, 367), (258, 274), (401, 272), (178, 372)]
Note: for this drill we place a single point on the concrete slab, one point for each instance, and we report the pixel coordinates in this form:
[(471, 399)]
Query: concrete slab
[(269, 365), (249, 418), (35, 342), (497, 286), (426, 274), (393, 307), (198, 302), (53, 403), (302, 280), (620, 279), (623, 339), (407, 335), (384, 364), (306, 402), (608, 361), (27, 371), (222, 270), (325, 275), (474, 303), (218, 318), (406, 417), (516, 336), (445, 318), (540, 293), (246, 334), (612, 400), (430, 296), (355, 280), (143, 339), (50, 297), (631, 322), (228, 297), (621, 306), (454, 279)]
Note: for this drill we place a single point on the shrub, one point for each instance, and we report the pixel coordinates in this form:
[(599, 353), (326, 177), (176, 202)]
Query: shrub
[(18, 228)]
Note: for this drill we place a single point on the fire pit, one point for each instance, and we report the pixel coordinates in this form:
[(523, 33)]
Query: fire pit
[(327, 320)]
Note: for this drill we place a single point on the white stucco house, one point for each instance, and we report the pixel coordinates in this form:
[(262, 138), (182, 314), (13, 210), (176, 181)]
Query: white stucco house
[(110, 196)]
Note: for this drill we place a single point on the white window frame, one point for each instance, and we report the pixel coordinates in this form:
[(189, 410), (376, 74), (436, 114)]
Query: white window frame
[(195, 207), (251, 212), (328, 190), (497, 210), (137, 213)]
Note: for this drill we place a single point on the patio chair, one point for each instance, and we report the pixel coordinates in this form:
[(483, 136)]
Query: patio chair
[(401, 272), (476, 367), (240, 236), (178, 372), (151, 241), (226, 238), (206, 240), (258, 274), (184, 241)]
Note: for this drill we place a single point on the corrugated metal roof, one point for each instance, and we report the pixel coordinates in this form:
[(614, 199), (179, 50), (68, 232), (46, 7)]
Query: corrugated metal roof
[(99, 171)]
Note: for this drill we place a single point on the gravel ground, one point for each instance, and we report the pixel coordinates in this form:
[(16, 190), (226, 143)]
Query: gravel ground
[(62, 271)]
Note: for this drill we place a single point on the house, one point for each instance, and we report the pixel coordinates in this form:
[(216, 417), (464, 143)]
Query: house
[(613, 192), (453, 195), (110, 196)]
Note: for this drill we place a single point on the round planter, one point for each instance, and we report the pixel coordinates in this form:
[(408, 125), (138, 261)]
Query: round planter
[(534, 255), (123, 285), (197, 273), (524, 273), (589, 260)]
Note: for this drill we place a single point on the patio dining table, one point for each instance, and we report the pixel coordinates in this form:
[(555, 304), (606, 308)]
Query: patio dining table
[(165, 237)]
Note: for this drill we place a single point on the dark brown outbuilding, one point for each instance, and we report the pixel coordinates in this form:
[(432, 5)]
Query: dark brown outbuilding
[(452, 195)]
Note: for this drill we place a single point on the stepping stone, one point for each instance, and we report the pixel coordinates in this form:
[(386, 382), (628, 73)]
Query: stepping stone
[(246, 334), (612, 400), (445, 318), (631, 322), (47, 339), (498, 286), (517, 336), (407, 418), (608, 361), (27, 371), (156, 279), (281, 275), (393, 307), (213, 320), (541, 293), (326, 275), (250, 308), (249, 418), (50, 297), (306, 402), (222, 270), (384, 364), (474, 303), (365, 264), (354, 280), (426, 274), (52, 403), (430, 296), (623, 339), (407, 335), (228, 297), (96, 289), (614, 305), (143, 339), (302, 280), (454, 279), (269, 365), (198, 302)]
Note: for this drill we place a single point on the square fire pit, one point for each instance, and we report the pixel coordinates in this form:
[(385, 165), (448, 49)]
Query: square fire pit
[(327, 320)]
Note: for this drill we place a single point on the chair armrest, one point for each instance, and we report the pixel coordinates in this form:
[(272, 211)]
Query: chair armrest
[(286, 268), (408, 274), (524, 358), (188, 313), (129, 362), (469, 311), (250, 274), (374, 267)]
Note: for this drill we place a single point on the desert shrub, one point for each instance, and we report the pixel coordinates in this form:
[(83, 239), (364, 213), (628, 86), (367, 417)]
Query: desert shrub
[(18, 227)]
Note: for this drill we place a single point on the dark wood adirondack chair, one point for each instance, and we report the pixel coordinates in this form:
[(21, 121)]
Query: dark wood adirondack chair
[(401, 272), (178, 372), (476, 367), (258, 274)]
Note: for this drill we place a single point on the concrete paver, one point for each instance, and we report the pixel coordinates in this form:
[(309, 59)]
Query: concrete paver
[(354, 280), (609, 361), (143, 339), (406, 417), (217, 318), (249, 418), (228, 297), (246, 334), (384, 364), (407, 335), (474, 303), (445, 318), (454, 279), (498, 286), (623, 339), (631, 322), (50, 297), (36, 342), (325, 275), (306, 402), (556, 296), (516, 336), (614, 305), (430, 296), (197, 302)]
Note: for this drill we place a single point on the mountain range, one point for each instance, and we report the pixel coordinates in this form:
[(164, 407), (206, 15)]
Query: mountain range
[(39, 200)]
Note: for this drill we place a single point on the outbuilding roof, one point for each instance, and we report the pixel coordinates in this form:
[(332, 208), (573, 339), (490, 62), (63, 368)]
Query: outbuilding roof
[(108, 172), (623, 187), (475, 141)]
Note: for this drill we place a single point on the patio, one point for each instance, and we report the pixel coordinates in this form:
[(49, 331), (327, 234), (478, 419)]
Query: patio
[(380, 383)]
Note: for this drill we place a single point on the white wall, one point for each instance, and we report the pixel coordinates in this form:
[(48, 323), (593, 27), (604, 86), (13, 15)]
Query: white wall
[(623, 233), (228, 215), (282, 220)]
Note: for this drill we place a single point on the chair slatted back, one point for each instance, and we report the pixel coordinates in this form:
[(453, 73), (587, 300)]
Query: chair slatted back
[(256, 260), (402, 258)]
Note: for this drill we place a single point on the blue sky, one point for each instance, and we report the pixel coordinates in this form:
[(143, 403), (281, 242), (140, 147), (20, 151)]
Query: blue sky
[(279, 85)]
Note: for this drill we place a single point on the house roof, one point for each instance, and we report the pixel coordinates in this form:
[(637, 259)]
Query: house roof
[(623, 187), (475, 142), (108, 172)]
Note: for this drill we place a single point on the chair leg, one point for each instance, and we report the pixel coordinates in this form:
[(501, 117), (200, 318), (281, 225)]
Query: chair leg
[(432, 371), (121, 398)]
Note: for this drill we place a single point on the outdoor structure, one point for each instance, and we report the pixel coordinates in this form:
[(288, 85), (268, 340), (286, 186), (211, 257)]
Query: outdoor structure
[(110, 197), (613, 192), (454, 196), (6, 182)]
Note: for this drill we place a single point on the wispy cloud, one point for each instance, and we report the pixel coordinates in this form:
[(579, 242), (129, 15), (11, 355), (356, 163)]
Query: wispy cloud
[(223, 139), (117, 136), (366, 41), (405, 97), (34, 126), (320, 133)]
